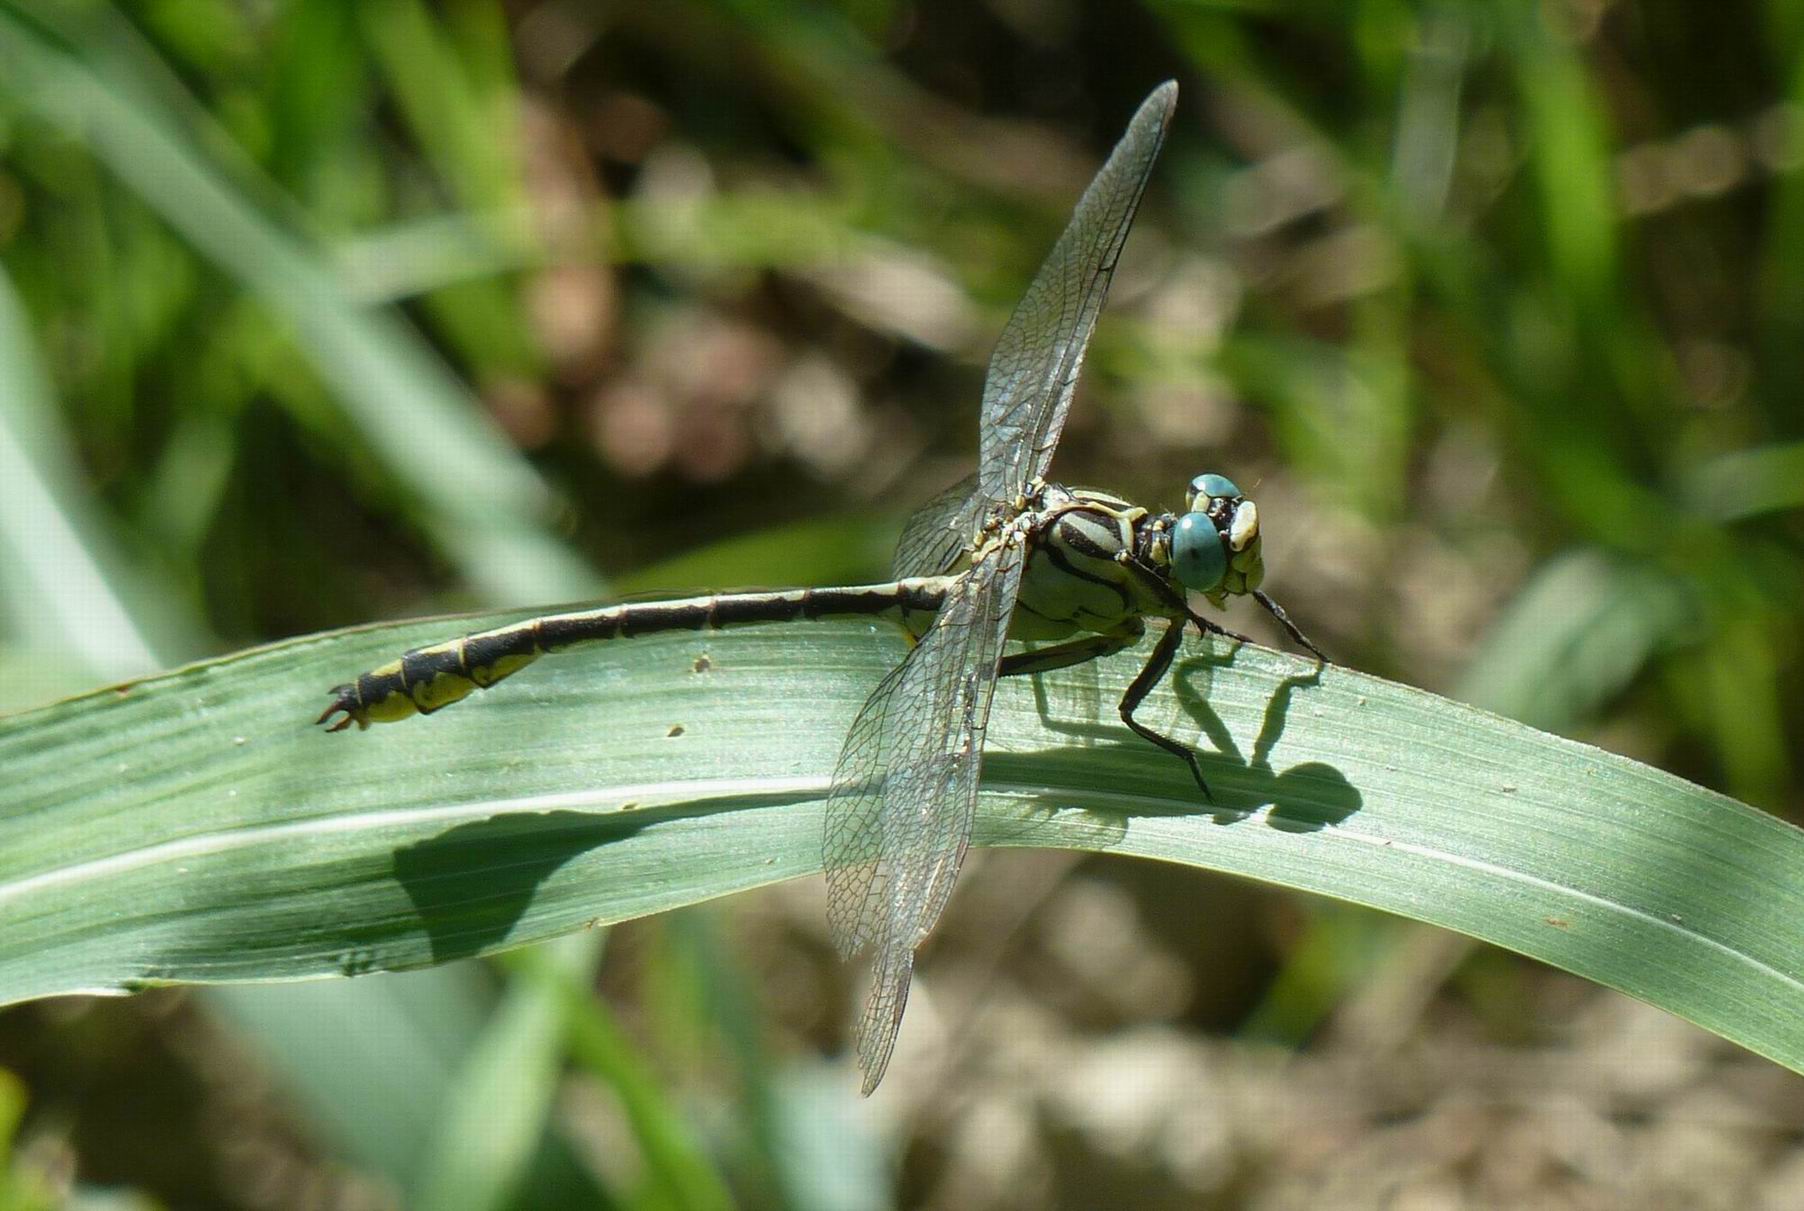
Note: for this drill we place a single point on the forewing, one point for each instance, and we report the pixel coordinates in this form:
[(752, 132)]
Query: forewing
[(1035, 367), (939, 532), (899, 814)]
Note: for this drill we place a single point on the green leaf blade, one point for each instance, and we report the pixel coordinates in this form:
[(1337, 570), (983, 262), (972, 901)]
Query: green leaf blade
[(195, 827)]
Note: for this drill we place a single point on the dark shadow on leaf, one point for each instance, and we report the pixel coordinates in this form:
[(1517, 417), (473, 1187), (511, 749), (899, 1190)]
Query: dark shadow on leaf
[(1311, 796), (1271, 728), (472, 883), (1304, 798)]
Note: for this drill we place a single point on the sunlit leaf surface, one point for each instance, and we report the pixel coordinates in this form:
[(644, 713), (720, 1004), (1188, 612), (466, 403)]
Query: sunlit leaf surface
[(196, 827)]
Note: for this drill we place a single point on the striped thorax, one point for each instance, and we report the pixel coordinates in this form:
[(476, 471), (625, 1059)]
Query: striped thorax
[(1082, 573)]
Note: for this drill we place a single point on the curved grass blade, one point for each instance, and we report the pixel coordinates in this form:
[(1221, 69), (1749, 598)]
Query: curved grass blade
[(193, 827), (484, 505)]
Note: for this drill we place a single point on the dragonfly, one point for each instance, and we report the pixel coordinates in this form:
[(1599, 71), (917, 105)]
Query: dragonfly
[(1003, 556)]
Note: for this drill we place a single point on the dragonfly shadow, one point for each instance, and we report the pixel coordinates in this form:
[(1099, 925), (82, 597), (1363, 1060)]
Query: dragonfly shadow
[(472, 883), (1306, 797)]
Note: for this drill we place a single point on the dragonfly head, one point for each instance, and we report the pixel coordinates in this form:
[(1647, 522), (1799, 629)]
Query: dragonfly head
[(1215, 545)]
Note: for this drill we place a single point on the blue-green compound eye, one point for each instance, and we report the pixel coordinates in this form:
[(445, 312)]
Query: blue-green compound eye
[(1199, 557), (1215, 487)]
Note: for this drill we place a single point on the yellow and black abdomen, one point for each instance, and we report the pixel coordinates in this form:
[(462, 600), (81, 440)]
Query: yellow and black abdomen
[(427, 679)]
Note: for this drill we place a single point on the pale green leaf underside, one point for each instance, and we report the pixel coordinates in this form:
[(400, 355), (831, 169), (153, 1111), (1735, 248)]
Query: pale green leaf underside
[(196, 827)]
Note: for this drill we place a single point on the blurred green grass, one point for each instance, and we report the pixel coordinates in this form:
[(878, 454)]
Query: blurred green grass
[(332, 311)]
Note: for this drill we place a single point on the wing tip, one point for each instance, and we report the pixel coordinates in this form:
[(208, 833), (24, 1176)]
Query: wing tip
[(881, 1021), (1162, 100)]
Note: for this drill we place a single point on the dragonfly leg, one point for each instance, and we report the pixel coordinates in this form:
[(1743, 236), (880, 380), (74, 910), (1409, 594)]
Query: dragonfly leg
[(1075, 651), (1174, 601), (1277, 611), (1207, 627), (1156, 667)]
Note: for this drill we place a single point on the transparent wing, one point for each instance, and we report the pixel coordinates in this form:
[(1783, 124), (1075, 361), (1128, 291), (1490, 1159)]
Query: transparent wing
[(1035, 367), (938, 533), (899, 814)]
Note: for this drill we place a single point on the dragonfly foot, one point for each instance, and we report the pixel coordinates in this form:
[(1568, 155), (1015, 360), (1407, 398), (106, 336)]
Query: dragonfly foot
[(344, 698), (1196, 771), (1182, 751), (1277, 611), (1206, 627)]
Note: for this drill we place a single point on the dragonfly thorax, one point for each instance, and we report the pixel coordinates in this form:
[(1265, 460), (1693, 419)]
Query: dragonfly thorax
[(1078, 577)]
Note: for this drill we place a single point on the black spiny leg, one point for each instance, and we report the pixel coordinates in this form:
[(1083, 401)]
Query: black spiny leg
[(1174, 601), (1277, 611), (1205, 627), (1156, 668)]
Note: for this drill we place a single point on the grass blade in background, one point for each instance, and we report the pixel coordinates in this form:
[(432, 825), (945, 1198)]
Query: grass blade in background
[(484, 506), (1573, 637), (491, 1132), (677, 1173), (59, 587), (1751, 482)]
